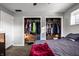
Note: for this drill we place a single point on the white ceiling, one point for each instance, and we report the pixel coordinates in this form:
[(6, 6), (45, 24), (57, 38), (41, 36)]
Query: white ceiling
[(40, 7)]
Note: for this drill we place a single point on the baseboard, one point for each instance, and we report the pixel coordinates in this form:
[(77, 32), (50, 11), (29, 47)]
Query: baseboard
[(10, 44), (9, 47), (18, 44)]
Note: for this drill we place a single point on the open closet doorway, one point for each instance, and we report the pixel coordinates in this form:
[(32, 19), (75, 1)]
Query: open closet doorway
[(32, 30), (53, 28)]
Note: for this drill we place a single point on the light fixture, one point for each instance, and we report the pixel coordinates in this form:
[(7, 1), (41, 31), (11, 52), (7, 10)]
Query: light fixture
[(34, 4), (18, 10)]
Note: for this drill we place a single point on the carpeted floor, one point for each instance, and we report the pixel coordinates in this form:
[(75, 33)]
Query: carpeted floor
[(19, 50)]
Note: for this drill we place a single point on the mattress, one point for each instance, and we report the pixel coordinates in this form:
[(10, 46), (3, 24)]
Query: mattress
[(62, 47)]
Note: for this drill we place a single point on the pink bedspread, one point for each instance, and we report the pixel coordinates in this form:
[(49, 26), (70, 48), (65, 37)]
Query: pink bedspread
[(41, 50)]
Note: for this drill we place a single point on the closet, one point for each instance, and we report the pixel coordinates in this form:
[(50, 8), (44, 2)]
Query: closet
[(53, 28), (31, 29)]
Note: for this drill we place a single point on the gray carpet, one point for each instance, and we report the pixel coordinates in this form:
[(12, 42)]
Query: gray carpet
[(18, 50)]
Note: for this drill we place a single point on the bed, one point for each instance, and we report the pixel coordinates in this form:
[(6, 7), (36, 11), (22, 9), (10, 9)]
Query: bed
[(68, 46)]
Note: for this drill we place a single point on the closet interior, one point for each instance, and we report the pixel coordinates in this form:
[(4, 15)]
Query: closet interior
[(53, 28), (31, 29)]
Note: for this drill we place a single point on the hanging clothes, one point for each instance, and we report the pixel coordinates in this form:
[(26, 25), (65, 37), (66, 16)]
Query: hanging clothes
[(51, 30), (56, 29), (30, 27), (59, 29), (33, 27), (47, 29), (38, 27), (27, 26)]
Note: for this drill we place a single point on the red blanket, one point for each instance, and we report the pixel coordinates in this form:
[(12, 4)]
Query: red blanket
[(41, 50)]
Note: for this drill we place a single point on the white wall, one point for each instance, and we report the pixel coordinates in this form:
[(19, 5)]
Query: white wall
[(66, 23), (19, 25), (18, 31), (6, 26)]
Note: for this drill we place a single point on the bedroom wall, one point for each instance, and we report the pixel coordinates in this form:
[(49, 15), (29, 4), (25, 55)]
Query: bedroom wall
[(19, 25), (67, 28), (18, 31), (6, 26)]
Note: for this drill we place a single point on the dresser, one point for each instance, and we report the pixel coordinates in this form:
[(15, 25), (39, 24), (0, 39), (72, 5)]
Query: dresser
[(2, 44)]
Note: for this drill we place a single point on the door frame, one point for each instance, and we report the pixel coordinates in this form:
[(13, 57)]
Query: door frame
[(31, 17)]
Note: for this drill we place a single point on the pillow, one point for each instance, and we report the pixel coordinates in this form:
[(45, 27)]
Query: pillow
[(73, 36), (72, 40), (69, 35)]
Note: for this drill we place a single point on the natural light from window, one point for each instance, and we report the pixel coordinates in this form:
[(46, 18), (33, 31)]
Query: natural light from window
[(74, 17)]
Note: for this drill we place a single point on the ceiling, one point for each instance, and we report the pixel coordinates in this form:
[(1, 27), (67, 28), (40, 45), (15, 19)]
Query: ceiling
[(40, 7)]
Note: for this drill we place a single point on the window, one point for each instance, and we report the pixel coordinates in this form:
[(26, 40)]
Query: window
[(74, 17)]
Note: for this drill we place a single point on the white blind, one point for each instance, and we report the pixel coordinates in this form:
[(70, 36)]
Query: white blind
[(74, 17)]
